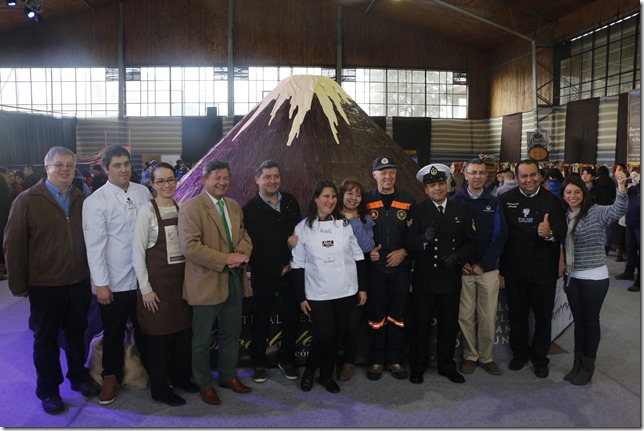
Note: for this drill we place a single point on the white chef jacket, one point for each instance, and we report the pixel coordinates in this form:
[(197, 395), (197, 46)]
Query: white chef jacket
[(328, 253), (109, 215)]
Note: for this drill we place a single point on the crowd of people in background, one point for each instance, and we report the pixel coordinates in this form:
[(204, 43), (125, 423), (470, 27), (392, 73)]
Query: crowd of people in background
[(173, 270)]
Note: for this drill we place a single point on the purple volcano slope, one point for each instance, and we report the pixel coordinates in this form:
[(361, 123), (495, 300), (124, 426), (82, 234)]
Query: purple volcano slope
[(313, 129)]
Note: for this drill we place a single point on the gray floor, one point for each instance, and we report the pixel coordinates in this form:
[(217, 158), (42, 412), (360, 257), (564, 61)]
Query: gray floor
[(515, 399)]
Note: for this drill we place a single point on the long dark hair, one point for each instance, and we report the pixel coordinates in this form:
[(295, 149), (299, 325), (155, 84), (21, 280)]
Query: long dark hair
[(585, 204), (351, 183), (313, 208)]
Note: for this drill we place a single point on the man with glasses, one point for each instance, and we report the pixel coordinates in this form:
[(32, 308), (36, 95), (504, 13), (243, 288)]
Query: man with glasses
[(109, 215), (480, 281), (45, 255)]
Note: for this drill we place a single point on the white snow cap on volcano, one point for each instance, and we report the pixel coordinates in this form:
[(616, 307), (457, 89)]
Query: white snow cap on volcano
[(299, 89)]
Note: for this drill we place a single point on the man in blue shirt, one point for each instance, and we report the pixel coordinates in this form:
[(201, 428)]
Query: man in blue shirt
[(480, 292), (46, 259)]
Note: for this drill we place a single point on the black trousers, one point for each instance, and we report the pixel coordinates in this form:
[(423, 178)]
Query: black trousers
[(387, 295), (263, 301), (170, 357), (424, 306), (114, 317), (585, 298), (52, 309), (330, 321), (357, 327), (523, 296)]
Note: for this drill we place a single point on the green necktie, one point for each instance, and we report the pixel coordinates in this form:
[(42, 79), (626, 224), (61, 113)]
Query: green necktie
[(222, 214)]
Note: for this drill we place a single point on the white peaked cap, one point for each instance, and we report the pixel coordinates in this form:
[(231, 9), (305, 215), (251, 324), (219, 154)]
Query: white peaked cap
[(427, 169)]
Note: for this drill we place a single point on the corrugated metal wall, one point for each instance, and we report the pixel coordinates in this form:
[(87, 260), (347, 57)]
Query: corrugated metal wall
[(452, 140), (607, 131), (145, 135)]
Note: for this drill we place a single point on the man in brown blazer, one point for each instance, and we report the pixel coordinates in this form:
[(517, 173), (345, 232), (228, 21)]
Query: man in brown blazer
[(216, 247)]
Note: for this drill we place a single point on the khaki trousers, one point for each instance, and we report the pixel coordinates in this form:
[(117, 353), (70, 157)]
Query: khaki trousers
[(477, 315)]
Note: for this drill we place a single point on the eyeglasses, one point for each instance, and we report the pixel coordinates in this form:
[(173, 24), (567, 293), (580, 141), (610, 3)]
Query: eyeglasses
[(58, 166), (161, 181)]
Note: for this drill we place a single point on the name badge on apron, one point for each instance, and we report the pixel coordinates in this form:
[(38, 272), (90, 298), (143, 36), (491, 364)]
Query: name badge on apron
[(172, 245)]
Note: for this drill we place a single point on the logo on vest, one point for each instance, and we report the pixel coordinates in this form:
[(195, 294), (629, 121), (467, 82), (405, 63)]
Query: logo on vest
[(327, 243), (401, 214), (525, 218)]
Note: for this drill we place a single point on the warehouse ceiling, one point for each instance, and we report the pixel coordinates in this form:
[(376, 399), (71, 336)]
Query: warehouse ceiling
[(481, 24)]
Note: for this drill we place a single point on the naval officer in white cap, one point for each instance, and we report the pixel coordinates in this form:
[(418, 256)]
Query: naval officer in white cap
[(441, 237)]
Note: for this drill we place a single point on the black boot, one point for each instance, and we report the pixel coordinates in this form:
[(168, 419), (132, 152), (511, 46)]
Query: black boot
[(585, 372), (575, 367)]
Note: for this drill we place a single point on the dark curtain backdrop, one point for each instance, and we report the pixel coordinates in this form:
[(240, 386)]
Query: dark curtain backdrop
[(381, 121), (621, 151), (582, 120), (198, 136), (414, 134), (511, 128), (26, 138)]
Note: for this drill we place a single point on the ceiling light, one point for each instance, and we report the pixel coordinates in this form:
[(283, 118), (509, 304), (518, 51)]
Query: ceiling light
[(11, 2), (30, 13)]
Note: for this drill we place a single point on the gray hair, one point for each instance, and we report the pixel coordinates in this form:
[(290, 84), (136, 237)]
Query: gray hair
[(266, 164), (61, 151), (213, 165)]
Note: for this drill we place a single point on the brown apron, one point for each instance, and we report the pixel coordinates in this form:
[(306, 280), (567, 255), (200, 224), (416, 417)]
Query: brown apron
[(174, 313)]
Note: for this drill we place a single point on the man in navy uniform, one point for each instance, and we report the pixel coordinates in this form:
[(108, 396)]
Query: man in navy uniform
[(441, 238)]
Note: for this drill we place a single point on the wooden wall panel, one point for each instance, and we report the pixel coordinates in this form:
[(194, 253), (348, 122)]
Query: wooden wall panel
[(83, 40), (510, 78), (170, 32), (284, 32)]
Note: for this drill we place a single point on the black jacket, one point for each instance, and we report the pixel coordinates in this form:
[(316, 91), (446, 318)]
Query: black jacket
[(527, 256), (389, 230), (454, 234), (269, 231)]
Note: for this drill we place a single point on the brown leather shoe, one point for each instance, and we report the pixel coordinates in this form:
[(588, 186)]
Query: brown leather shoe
[(108, 391), (492, 368), (209, 396), (468, 367), (235, 385)]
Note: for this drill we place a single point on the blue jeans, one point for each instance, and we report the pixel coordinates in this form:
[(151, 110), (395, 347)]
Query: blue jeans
[(585, 298)]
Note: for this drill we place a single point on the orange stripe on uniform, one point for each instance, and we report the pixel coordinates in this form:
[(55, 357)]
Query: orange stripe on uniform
[(376, 325), (401, 205), (395, 322), (374, 205)]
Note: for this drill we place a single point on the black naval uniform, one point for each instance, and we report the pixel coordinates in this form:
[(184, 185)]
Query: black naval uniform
[(436, 284)]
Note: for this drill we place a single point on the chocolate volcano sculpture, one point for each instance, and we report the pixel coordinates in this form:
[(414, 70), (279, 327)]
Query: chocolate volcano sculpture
[(313, 129)]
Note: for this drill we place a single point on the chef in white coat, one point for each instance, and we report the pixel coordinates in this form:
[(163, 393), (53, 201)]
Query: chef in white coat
[(328, 272)]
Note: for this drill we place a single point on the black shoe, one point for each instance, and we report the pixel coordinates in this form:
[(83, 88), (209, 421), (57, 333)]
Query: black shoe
[(189, 387), (625, 276), (541, 371), (453, 377), (87, 388), (306, 384), (171, 399), (516, 364), (416, 378), (634, 288), (330, 385), (53, 405)]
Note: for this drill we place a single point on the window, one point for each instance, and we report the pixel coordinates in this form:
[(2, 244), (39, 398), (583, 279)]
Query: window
[(189, 91), (408, 93), (603, 62)]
